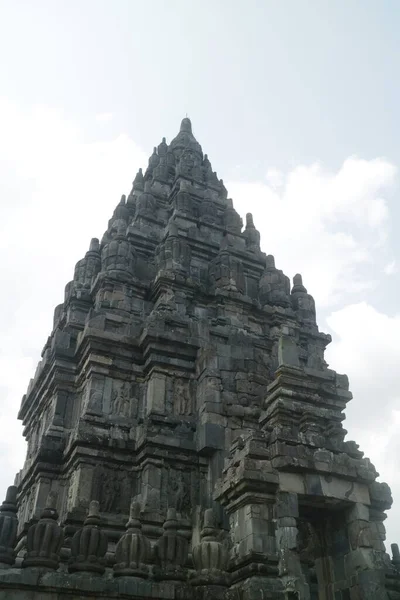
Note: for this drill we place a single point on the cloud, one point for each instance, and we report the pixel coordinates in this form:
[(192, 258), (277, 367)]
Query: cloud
[(366, 347), (274, 178), (331, 226), (58, 190), (104, 117), (390, 268)]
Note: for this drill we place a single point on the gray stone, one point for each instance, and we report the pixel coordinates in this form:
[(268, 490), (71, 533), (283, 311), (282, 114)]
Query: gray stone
[(184, 373)]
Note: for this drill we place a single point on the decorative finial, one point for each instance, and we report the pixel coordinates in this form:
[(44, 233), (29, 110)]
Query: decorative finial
[(89, 544), (395, 555), (162, 148), (133, 549), (134, 516), (249, 221), (298, 284), (8, 527), (138, 182), (94, 509), (186, 125), (173, 230), (210, 557), (51, 501), (45, 538), (270, 262), (171, 550)]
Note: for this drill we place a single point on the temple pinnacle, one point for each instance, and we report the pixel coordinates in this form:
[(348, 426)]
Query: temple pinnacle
[(186, 125)]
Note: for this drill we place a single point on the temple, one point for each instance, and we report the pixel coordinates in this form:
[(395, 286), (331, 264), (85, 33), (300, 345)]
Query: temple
[(184, 433)]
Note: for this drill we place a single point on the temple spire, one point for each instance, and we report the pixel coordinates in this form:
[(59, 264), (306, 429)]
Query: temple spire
[(186, 125)]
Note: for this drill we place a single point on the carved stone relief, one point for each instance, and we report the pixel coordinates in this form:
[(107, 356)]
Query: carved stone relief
[(178, 491), (182, 399)]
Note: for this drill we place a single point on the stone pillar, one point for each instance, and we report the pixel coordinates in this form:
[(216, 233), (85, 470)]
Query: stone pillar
[(364, 566), (80, 488), (151, 487), (156, 389), (252, 531), (292, 577)]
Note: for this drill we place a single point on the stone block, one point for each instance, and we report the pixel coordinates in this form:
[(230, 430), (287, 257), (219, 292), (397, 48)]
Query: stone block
[(352, 491), (286, 538), (210, 437), (291, 482), (155, 400), (286, 505), (357, 512)]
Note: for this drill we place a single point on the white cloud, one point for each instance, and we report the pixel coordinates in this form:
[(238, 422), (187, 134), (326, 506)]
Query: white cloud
[(104, 117), (390, 268), (274, 177), (366, 347), (58, 190), (331, 226)]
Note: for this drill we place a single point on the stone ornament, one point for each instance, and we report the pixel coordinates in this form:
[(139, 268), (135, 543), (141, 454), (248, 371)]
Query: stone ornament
[(133, 549), (89, 544), (45, 538), (210, 557), (171, 550), (8, 527)]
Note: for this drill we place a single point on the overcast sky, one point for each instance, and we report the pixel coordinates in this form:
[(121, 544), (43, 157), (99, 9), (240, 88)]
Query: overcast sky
[(296, 103)]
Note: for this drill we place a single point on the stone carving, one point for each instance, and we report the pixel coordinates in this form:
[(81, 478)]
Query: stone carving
[(182, 397), (89, 544), (395, 555), (110, 492), (180, 300), (171, 550), (226, 271), (274, 287), (183, 201), (138, 182), (161, 172), (87, 268), (162, 148), (118, 254), (153, 160), (121, 400), (71, 491), (232, 220), (301, 300), (251, 234), (45, 538), (133, 549), (8, 526), (31, 502), (92, 400), (173, 254), (146, 203), (210, 556), (179, 491)]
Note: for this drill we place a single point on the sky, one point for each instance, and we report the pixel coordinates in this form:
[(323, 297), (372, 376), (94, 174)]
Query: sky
[(296, 104)]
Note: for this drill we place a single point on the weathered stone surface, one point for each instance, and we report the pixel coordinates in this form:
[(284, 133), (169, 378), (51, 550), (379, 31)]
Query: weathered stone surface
[(89, 544), (8, 527), (45, 539), (183, 371), (132, 553)]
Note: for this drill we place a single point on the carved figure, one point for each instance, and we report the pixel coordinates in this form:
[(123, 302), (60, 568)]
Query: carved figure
[(182, 396), (110, 493), (121, 402)]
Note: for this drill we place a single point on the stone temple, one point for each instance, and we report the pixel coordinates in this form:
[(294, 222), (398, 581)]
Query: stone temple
[(185, 434)]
